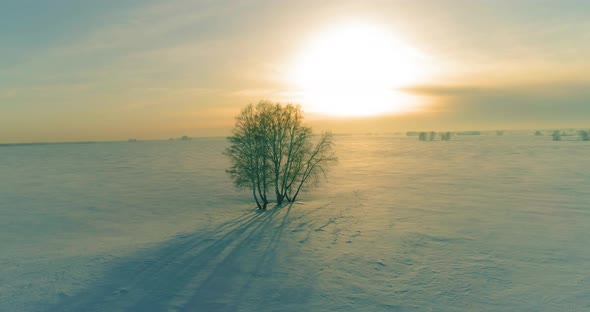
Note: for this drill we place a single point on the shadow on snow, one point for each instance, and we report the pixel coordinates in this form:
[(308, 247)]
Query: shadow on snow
[(225, 269)]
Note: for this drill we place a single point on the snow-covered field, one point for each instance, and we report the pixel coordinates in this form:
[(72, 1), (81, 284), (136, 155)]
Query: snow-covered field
[(480, 223)]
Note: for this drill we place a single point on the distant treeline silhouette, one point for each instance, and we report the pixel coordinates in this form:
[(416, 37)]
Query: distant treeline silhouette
[(556, 135), (430, 135)]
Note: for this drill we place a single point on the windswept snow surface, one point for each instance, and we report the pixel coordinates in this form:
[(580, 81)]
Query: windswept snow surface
[(480, 223)]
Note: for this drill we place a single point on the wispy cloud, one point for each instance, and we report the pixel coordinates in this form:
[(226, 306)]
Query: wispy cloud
[(565, 102), (560, 87)]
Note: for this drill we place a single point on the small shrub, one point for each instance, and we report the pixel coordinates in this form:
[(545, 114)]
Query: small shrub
[(431, 136), (445, 136)]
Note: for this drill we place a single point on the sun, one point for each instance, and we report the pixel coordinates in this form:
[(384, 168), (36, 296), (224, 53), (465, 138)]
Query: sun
[(354, 70)]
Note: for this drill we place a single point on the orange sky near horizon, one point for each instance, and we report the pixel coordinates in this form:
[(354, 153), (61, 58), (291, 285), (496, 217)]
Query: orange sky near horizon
[(153, 70)]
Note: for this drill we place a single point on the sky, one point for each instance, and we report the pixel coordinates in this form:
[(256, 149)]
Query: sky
[(75, 70)]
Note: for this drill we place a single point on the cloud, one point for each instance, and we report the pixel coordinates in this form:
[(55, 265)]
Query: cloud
[(444, 90), (546, 89), (564, 102)]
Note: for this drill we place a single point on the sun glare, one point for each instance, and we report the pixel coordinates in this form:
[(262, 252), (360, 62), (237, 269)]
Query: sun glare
[(354, 70)]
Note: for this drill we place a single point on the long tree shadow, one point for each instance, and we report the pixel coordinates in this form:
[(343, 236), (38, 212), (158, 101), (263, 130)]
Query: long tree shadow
[(258, 286), (216, 270)]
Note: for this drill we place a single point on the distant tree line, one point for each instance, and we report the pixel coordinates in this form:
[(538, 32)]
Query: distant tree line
[(556, 135), (430, 135)]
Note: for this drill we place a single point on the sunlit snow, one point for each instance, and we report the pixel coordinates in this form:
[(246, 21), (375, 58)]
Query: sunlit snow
[(480, 223)]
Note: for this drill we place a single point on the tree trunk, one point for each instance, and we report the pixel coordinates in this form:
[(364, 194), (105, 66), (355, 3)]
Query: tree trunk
[(255, 197), (305, 176), (296, 193), (279, 199)]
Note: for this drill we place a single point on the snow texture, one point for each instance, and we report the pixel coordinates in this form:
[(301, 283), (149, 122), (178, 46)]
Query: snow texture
[(480, 223)]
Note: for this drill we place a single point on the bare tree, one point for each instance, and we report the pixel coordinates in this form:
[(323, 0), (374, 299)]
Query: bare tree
[(311, 164), (248, 155), (270, 147)]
